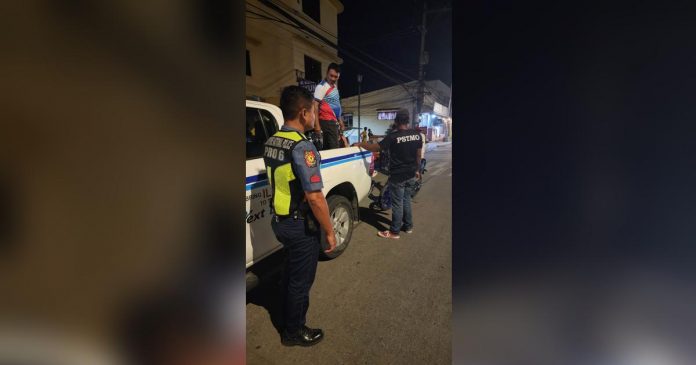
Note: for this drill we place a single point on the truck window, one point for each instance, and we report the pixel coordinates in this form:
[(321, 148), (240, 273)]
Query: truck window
[(269, 122), (260, 124)]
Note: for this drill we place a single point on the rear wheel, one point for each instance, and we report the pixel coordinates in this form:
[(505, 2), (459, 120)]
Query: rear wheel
[(341, 216)]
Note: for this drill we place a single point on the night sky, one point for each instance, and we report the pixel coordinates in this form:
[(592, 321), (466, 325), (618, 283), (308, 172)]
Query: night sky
[(574, 134), (387, 31), (574, 171)]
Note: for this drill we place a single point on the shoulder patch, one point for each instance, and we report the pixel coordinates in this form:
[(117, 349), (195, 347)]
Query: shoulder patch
[(310, 159)]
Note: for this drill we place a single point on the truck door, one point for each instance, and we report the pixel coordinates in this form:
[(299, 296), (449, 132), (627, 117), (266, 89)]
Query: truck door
[(260, 240)]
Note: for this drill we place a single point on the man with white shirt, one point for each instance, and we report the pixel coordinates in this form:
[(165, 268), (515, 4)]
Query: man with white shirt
[(328, 108)]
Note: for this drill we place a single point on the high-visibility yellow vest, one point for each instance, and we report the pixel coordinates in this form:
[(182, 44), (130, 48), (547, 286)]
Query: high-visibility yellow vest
[(287, 189)]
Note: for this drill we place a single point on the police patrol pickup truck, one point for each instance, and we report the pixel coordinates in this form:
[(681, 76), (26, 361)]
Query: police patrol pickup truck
[(345, 172)]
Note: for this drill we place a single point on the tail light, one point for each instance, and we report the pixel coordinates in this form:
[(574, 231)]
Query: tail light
[(372, 164)]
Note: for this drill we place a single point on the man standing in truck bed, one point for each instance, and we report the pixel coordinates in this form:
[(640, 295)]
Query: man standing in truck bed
[(328, 107), (299, 209)]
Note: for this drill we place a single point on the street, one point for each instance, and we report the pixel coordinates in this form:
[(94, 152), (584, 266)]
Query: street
[(382, 301)]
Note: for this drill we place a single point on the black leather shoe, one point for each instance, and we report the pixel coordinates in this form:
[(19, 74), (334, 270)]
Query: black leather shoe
[(305, 336)]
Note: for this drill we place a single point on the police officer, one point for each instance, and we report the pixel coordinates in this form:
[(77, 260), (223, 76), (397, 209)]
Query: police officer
[(300, 211), (404, 146)]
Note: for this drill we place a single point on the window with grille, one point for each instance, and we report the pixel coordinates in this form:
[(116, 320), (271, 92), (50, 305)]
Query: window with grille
[(312, 69)]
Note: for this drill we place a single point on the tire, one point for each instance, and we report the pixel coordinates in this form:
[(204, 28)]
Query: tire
[(341, 214)]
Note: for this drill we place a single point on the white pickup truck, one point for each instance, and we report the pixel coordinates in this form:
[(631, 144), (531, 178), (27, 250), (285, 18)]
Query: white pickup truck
[(346, 176)]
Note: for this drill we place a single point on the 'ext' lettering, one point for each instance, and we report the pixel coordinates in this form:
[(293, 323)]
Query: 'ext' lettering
[(252, 217)]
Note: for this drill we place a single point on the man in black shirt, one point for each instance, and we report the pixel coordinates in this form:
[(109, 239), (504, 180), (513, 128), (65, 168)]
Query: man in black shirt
[(404, 146)]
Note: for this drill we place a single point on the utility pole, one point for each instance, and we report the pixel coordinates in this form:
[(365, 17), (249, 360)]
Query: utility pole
[(360, 78), (421, 62)]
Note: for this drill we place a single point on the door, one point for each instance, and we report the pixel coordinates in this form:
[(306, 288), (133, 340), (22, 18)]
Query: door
[(260, 240)]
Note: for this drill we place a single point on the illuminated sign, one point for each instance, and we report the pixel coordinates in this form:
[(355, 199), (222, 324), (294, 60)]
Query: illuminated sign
[(390, 115)]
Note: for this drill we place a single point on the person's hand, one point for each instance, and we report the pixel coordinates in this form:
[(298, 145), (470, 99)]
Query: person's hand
[(356, 144), (331, 240)]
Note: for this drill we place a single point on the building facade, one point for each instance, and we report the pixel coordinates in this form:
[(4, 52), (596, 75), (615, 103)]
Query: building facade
[(289, 42), (378, 109)]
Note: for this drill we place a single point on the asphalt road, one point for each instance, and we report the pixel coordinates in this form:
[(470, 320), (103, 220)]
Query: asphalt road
[(382, 301)]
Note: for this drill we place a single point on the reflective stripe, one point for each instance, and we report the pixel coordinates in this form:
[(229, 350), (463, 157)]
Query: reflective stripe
[(280, 172), (282, 196), (257, 181), (293, 135)]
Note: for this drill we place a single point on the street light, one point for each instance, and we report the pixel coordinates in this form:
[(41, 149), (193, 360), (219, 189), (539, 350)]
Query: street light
[(360, 77)]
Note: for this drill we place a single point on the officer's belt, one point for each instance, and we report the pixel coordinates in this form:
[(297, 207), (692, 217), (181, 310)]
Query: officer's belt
[(296, 215)]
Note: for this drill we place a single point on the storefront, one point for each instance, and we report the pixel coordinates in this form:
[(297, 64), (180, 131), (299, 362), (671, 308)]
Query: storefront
[(378, 109), (437, 124)]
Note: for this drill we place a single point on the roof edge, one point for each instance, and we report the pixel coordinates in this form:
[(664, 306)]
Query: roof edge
[(338, 5)]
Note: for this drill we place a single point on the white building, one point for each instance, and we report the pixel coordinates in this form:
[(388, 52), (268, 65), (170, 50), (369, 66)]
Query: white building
[(378, 109)]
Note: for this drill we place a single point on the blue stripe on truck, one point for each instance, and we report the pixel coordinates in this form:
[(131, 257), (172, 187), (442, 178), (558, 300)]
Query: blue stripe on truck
[(257, 181)]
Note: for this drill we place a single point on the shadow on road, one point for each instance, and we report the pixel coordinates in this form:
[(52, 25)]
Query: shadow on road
[(378, 219), (269, 295)]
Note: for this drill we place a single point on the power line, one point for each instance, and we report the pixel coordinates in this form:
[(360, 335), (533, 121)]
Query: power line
[(304, 29), (381, 62), (274, 16), (383, 37), (380, 103), (267, 13), (261, 16), (341, 49)]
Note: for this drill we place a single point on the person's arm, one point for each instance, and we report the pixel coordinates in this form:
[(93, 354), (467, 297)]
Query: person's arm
[(372, 147), (418, 163), (319, 93), (320, 208), (383, 145), (341, 126), (308, 169), (317, 127)]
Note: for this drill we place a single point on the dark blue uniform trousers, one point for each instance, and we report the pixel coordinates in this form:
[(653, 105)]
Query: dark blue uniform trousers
[(302, 257)]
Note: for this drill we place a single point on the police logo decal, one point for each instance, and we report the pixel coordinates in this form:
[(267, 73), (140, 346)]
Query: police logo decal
[(310, 159)]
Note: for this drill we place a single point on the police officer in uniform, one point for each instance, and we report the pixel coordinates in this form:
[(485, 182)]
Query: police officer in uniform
[(300, 210)]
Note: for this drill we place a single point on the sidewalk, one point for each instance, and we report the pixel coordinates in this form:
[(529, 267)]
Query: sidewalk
[(433, 145)]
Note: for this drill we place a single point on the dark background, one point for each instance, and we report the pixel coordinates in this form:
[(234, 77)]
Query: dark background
[(575, 132), (574, 177)]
